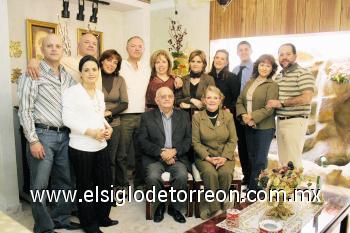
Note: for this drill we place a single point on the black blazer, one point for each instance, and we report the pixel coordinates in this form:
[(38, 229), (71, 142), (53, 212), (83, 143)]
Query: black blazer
[(151, 136), (230, 86)]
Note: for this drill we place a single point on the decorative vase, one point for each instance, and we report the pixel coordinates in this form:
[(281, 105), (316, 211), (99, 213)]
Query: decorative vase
[(280, 209), (180, 64)]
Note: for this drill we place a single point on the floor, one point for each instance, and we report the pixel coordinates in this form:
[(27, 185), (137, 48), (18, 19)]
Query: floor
[(131, 219)]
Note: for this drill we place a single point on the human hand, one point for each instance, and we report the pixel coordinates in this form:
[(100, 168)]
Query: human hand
[(246, 118), (33, 69), (197, 103), (185, 106), (108, 133), (108, 113), (251, 123), (167, 154), (100, 134), (274, 104), (178, 82), (37, 150), (220, 161), (170, 161), (211, 160)]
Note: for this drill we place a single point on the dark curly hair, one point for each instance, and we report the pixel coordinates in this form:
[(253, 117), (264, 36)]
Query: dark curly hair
[(265, 58)]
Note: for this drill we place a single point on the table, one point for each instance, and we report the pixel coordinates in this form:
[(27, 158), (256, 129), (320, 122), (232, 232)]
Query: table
[(335, 211)]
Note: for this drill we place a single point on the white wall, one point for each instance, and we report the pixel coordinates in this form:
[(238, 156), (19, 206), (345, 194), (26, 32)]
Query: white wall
[(195, 18), (9, 199), (116, 26)]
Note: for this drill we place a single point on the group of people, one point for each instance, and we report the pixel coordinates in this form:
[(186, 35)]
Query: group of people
[(88, 114)]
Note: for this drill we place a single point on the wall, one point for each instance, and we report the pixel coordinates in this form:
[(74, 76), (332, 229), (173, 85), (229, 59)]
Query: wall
[(9, 200), (116, 26), (244, 18), (194, 17)]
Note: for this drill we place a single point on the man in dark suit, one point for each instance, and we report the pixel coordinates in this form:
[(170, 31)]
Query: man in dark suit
[(164, 139)]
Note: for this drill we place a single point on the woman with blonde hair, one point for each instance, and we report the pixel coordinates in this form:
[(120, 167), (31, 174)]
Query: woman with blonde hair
[(214, 140), (161, 76)]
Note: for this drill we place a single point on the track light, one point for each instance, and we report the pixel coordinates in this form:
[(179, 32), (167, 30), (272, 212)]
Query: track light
[(65, 11), (80, 15), (93, 17)]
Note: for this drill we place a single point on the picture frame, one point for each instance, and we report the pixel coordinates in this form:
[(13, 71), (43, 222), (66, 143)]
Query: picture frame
[(36, 32), (99, 36)]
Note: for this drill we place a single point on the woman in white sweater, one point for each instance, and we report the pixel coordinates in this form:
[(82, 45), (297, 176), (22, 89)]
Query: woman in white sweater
[(83, 113)]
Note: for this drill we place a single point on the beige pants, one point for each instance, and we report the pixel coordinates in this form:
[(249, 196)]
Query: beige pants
[(290, 140)]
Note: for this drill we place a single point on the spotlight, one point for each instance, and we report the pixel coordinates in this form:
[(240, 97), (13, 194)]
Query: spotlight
[(65, 12), (93, 17), (80, 15)]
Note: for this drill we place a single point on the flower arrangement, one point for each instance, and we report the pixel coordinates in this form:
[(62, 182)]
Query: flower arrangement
[(340, 72), (177, 33), (286, 178)]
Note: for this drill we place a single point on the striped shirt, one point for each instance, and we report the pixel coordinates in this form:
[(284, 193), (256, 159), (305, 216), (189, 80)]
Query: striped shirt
[(40, 101), (292, 83)]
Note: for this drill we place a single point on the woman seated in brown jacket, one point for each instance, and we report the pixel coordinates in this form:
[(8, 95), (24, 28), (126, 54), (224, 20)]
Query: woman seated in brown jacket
[(214, 140), (259, 120), (189, 96)]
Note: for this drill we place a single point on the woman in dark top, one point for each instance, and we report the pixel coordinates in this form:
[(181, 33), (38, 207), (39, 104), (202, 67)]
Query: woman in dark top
[(225, 80), (116, 100), (189, 96), (160, 76)]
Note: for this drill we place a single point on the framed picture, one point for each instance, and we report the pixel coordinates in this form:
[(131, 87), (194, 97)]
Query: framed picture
[(99, 36), (36, 32)]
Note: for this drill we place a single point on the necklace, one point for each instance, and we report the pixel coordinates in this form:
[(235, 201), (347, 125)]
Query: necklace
[(213, 117)]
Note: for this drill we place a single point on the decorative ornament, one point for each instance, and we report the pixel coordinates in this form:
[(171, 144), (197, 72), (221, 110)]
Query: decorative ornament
[(63, 31), (16, 72), (15, 49), (177, 34)]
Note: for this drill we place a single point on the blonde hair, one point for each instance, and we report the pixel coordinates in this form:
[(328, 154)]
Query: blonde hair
[(154, 58), (215, 90)]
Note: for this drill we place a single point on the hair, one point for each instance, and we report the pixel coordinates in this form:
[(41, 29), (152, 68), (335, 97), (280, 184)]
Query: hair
[(154, 58), (134, 37), (161, 89), (225, 70), (202, 56), (107, 55), (294, 50), (265, 57), (86, 59), (215, 90), (244, 42)]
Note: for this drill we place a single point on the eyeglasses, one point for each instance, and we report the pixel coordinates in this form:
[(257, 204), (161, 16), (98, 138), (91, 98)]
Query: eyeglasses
[(163, 97)]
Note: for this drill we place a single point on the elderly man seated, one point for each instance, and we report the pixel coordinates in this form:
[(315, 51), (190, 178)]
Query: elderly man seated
[(165, 138)]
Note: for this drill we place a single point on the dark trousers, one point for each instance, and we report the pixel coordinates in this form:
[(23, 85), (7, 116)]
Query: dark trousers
[(92, 169), (116, 152), (258, 141), (130, 125), (178, 178), (242, 151)]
